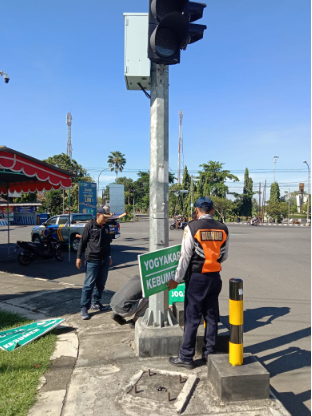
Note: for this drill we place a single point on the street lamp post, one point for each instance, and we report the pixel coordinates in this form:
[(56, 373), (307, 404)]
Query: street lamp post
[(98, 187), (308, 189)]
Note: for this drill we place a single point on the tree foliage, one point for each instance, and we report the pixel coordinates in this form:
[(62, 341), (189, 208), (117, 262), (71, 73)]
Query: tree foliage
[(212, 179), (275, 195), (246, 198), (63, 161), (222, 206), (277, 210), (53, 200), (116, 161)]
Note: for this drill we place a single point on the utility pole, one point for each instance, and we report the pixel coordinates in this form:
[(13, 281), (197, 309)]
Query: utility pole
[(263, 201), (308, 189), (259, 205), (288, 206), (158, 311), (275, 161), (180, 149)]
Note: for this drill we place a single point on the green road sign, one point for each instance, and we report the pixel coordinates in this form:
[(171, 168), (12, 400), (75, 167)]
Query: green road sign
[(178, 294), (157, 268), (18, 337)]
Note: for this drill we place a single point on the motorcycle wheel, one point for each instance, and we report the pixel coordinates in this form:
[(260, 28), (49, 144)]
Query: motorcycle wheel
[(172, 227), (59, 255), (23, 259)]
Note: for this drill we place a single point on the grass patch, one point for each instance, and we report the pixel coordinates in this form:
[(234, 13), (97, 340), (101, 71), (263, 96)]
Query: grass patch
[(21, 369)]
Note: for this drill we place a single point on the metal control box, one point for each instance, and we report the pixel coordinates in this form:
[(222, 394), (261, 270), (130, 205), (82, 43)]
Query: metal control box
[(137, 65)]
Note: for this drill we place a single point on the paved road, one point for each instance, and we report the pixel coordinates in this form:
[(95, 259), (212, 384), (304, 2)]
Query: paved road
[(274, 263)]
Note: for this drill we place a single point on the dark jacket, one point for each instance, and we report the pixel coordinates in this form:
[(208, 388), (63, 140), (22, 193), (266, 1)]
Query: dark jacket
[(124, 299), (95, 242)]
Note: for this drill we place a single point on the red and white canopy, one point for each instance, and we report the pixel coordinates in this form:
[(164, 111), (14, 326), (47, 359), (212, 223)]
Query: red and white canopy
[(22, 173)]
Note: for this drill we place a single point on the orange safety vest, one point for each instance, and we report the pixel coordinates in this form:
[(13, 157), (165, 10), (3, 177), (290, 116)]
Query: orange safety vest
[(209, 238)]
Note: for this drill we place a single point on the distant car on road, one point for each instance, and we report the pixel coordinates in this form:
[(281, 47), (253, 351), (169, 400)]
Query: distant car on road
[(65, 230)]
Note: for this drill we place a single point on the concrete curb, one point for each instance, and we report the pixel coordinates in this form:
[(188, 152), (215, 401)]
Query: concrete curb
[(50, 402)]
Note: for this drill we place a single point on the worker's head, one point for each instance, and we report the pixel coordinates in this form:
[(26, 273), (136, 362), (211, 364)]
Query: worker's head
[(204, 206), (102, 215)]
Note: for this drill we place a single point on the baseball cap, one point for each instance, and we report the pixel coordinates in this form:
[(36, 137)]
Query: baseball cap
[(104, 211), (204, 202)]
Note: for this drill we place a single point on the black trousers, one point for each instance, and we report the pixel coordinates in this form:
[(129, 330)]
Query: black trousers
[(201, 299)]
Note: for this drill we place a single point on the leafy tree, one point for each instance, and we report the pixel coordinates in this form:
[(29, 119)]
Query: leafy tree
[(277, 210), (246, 203), (290, 198), (275, 193), (116, 161), (186, 181), (186, 198), (63, 161), (255, 207), (212, 179), (129, 188), (24, 198), (53, 201), (222, 206)]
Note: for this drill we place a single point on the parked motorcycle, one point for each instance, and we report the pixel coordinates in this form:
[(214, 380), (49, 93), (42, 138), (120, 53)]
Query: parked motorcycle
[(47, 249)]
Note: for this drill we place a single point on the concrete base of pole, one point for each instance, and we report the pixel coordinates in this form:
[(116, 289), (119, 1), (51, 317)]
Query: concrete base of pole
[(250, 381), (223, 337), (155, 341)]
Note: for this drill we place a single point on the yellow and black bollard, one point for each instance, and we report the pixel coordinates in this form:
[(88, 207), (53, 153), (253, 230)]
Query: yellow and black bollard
[(236, 320)]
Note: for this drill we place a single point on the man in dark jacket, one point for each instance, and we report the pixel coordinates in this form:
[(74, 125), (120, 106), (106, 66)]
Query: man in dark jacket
[(95, 242)]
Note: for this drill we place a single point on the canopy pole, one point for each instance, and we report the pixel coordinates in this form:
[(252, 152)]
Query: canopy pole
[(69, 225), (8, 216)]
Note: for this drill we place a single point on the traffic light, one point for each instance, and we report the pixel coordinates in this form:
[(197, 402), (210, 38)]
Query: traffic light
[(170, 29)]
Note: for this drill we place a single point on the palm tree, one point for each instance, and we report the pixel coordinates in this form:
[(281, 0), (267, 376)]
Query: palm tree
[(116, 161)]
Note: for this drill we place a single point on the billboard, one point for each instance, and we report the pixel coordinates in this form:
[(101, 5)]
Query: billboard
[(116, 198), (87, 198)]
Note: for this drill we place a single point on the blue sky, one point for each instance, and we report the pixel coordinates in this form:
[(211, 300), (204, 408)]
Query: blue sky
[(245, 89)]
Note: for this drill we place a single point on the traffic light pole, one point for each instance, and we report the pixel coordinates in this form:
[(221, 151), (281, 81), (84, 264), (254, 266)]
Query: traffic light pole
[(158, 313)]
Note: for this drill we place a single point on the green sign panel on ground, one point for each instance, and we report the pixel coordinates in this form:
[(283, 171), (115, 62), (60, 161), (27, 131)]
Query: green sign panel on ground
[(157, 268), (18, 337)]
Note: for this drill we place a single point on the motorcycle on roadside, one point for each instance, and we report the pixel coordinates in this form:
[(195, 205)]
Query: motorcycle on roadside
[(48, 248), (254, 221), (178, 225)]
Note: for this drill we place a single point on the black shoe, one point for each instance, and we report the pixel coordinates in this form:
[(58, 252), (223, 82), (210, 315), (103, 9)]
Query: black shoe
[(99, 307), (131, 323), (118, 318), (84, 314), (176, 361), (205, 359)]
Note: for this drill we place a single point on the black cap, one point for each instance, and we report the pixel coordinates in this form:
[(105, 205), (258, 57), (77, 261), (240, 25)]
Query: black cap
[(204, 202), (102, 210)]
